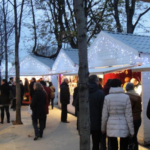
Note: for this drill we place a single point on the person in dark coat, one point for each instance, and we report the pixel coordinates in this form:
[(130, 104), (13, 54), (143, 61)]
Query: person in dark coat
[(64, 100), (48, 97), (22, 90), (100, 83), (33, 80), (136, 111), (14, 96), (5, 101), (75, 97), (11, 80), (26, 85), (52, 88), (107, 87), (96, 99), (37, 105)]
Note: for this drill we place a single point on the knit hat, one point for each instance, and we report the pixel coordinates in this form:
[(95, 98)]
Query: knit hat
[(129, 86)]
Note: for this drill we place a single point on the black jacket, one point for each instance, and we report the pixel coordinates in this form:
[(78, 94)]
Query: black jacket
[(31, 89), (5, 91), (37, 105), (96, 99), (64, 93)]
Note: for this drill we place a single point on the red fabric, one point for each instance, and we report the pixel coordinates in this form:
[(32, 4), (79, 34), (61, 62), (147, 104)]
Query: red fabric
[(48, 96), (122, 76)]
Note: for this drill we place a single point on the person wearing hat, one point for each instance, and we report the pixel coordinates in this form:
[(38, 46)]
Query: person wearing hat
[(136, 110)]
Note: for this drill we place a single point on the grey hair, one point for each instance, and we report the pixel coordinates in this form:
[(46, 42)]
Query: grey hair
[(38, 86), (65, 79)]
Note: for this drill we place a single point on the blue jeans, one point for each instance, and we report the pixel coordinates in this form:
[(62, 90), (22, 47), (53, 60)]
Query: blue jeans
[(38, 132)]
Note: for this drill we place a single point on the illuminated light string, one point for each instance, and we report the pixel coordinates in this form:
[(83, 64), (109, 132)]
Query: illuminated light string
[(62, 59), (109, 50), (30, 62)]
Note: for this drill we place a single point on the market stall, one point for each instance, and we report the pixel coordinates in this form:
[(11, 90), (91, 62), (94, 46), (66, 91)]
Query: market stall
[(110, 53), (111, 49), (33, 66), (66, 61)]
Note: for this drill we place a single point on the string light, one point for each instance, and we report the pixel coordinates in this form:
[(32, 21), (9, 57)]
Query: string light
[(106, 50), (63, 63), (31, 66)]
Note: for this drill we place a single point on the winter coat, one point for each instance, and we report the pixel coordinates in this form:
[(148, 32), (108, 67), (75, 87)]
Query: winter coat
[(96, 99), (26, 87), (14, 91), (136, 104), (31, 89), (4, 96), (75, 93), (64, 93), (106, 90), (52, 88), (117, 116), (48, 96), (37, 105)]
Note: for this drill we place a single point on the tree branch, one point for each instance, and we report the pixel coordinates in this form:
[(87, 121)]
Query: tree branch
[(141, 16)]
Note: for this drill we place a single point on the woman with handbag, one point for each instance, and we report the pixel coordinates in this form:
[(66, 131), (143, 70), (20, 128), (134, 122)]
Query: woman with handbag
[(136, 111), (117, 120), (37, 105)]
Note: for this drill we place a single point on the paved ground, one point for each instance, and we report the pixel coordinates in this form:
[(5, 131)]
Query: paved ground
[(57, 136)]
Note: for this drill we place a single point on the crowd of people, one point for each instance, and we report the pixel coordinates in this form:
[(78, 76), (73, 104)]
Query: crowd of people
[(115, 109), (41, 97), (115, 112)]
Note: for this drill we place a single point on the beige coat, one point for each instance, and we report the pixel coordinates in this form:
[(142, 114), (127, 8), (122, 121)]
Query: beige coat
[(117, 118)]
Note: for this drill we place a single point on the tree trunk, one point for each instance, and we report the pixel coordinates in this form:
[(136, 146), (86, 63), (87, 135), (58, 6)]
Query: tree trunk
[(17, 66), (84, 121), (5, 31), (34, 27)]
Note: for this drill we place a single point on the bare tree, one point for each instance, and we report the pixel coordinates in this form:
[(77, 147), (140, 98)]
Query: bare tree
[(84, 122), (6, 39), (17, 66), (34, 28)]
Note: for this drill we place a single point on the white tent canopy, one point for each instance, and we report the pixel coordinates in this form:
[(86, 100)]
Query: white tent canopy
[(141, 68), (33, 65), (117, 49), (102, 70), (66, 61)]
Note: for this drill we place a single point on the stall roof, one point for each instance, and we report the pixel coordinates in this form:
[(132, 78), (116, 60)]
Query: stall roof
[(117, 49), (102, 70), (141, 68), (32, 65), (67, 60), (73, 54), (141, 43)]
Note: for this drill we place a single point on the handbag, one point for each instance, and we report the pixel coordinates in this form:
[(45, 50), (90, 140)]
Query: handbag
[(131, 145), (29, 110)]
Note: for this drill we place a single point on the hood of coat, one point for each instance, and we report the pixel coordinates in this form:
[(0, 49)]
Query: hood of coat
[(116, 90), (64, 84), (93, 87)]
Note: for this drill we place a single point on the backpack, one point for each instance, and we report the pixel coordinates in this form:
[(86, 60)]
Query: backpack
[(148, 110)]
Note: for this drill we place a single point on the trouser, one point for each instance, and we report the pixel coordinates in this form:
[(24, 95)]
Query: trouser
[(45, 121), (14, 104), (137, 124), (103, 142), (96, 138), (114, 143), (6, 108), (63, 112), (52, 102), (38, 132)]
